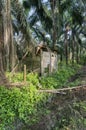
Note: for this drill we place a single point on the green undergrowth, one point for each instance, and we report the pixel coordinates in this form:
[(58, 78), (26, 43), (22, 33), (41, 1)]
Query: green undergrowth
[(60, 78), (16, 77), (72, 116), (20, 106), (77, 82), (56, 80), (25, 106)]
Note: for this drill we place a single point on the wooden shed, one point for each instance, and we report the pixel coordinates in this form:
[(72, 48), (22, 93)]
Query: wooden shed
[(48, 59), (48, 62)]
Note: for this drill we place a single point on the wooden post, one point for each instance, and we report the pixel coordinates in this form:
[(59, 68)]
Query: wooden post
[(41, 67), (24, 73)]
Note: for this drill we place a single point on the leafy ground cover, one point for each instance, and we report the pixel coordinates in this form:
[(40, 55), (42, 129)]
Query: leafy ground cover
[(19, 106), (60, 78), (23, 107), (56, 80)]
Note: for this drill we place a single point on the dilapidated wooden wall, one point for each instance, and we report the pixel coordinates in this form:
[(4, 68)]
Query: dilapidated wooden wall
[(48, 62)]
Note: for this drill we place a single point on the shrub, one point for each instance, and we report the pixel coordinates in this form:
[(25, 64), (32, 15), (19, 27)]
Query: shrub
[(18, 105), (60, 78)]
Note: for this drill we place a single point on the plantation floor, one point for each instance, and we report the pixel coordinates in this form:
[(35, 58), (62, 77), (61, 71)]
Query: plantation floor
[(61, 106), (81, 75), (68, 93)]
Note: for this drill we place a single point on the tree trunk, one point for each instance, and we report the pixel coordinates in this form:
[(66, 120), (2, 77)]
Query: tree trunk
[(66, 51), (3, 79), (77, 52), (8, 37), (80, 51), (61, 57), (54, 19), (73, 51), (66, 48)]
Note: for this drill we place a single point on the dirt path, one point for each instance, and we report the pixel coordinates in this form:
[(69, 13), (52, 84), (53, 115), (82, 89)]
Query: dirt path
[(78, 91), (80, 75), (60, 105), (83, 75)]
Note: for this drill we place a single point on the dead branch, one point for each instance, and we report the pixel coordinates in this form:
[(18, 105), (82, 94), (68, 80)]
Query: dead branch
[(63, 89), (19, 62)]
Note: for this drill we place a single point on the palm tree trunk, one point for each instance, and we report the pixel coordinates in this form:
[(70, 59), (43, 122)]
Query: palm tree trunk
[(73, 50), (61, 57), (66, 47), (66, 51), (8, 36), (3, 79), (69, 50), (80, 55), (54, 25), (77, 53)]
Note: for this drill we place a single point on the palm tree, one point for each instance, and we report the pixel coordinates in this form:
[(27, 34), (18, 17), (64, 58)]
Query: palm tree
[(60, 12), (2, 74), (52, 15), (8, 36), (43, 14)]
